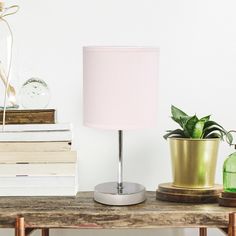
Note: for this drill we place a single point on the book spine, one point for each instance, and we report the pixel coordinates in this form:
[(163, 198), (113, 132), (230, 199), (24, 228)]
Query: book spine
[(45, 136), (37, 181), (31, 191), (35, 146), (37, 127), (57, 169), (44, 116), (37, 157)]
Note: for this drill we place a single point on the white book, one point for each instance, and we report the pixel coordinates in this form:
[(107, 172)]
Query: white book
[(37, 181), (62, 146), (36, 136), (37, 127), (34, 191), (58, 169), (37, 157)]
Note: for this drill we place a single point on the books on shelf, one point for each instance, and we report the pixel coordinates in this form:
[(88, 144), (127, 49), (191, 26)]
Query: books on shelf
[(38, 186), (37, 157), (37, 181), (61, 146), (36, 133), (36, 136), (38, 191), (37, 160), (37, 127), (32, 116), (46, 169)]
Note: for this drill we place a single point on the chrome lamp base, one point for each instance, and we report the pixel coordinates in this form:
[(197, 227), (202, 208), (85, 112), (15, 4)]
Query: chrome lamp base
[(110, 194)]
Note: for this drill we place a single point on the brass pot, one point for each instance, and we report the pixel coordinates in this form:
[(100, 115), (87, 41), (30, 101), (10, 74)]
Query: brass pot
[(194, 162)]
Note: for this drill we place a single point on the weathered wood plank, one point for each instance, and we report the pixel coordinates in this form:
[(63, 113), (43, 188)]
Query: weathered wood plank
[(83, 212)]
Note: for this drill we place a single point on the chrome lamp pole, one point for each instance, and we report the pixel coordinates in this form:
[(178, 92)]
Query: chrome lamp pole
[(119, 193)]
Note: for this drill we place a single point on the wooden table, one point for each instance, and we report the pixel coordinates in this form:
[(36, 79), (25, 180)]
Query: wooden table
[(26, 214)]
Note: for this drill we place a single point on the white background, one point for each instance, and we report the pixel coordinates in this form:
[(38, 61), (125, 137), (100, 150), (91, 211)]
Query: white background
[(197, 73)]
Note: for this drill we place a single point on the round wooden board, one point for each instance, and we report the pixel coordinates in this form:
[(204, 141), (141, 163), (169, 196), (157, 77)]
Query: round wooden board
[(227, 199), (168, 192), (228, 195), (168, 187)]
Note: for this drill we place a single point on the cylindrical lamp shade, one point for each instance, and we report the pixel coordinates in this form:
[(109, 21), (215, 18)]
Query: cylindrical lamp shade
[(120, 87)]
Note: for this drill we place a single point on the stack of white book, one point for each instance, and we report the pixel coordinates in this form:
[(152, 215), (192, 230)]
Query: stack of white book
[(37, 160)]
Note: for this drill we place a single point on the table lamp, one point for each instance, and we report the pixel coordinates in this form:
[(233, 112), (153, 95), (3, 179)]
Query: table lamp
[(120, 93)]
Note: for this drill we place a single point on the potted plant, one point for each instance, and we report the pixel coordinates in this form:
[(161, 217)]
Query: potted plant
[(194, 149)]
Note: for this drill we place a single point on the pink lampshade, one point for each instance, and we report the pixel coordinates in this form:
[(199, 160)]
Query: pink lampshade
[(120, 87)]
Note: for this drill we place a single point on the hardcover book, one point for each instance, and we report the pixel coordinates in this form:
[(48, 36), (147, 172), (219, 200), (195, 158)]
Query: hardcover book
[(37, 127), (61, 146), (41, 169), (35, 116), (35, 136), (37, 157), (37, 181), (36, 191)]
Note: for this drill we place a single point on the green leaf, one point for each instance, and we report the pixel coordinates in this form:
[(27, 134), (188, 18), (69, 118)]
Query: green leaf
[(184, 120), (212, 123), (229, 138), (176, 120), (205, 118), (198, 129), (214, 135), (189, 127), (174, 133), (177, 113), (214, 129), (192, 127)]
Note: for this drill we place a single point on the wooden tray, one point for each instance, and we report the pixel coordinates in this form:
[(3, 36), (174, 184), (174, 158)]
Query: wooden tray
[(227, 199), (168, 192)]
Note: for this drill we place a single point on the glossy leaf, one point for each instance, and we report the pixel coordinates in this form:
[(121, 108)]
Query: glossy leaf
[(198, 129), (229, 138), (192, 127), (174, 133), (205, 118), (177, 113), (212, 129), (189, 127), (184, 120), (211, 123), (214, 135)]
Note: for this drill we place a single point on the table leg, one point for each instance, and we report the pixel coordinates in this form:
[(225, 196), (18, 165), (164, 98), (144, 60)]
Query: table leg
[(45, 232), (20, 226), (232, 224), (29, 231), (203, 232)]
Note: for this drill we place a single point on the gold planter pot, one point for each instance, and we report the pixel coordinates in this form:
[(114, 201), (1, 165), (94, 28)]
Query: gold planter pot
[(194, 162)]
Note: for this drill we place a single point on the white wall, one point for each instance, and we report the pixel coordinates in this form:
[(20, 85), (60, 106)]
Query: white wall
[(198, 58)]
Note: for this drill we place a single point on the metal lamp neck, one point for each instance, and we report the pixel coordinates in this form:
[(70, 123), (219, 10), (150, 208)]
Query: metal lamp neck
[(120, 164)]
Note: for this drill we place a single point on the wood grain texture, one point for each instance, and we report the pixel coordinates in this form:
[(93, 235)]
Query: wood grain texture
[(228, 195), (40, 116), (227, 199), (83, 212), (168, 187), (168, 192), (175, 197)]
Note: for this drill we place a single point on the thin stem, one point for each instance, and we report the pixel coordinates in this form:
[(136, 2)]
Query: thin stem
[(8, 75), (120, 166), (5, 13)]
